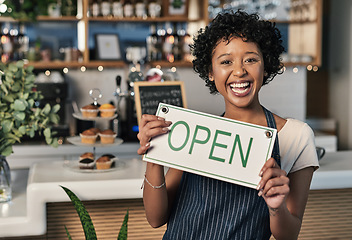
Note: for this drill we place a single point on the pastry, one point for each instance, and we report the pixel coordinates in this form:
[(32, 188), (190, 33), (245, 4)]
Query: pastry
[(88, 136), (96, 130), (107, 110), (104, 162), (89, 155), (90, 111), (86, 163), (107, 136)]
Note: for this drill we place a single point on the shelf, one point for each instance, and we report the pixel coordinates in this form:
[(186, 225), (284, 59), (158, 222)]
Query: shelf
[(169, 64), (135, 19), (62, 64), (57, 19), (107, 64)]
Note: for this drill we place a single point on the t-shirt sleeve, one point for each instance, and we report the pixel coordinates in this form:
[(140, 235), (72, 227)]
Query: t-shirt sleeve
[(307, 155)]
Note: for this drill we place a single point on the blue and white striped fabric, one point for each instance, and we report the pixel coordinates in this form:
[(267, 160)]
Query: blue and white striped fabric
[(211, 209)]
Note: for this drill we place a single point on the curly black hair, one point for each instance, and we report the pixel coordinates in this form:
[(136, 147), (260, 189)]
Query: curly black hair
[(250, 28)]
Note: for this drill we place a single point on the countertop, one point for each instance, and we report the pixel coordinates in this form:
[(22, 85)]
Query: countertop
[(41, 184)]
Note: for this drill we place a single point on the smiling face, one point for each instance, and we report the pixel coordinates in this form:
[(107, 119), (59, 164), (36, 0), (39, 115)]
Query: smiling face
[(238, 72)]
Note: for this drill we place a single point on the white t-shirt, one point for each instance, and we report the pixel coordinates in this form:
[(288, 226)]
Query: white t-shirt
[(297, 146)]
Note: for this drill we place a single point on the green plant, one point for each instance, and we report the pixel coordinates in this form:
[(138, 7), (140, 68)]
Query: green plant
[(27, 10), (87, 224), (19, 116)]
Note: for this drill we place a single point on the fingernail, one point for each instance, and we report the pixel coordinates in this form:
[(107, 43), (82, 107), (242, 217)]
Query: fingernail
[(165, 129), (168, 123), (148, 144), (261, 173), (160, 118), (260, 193), (258, 186)]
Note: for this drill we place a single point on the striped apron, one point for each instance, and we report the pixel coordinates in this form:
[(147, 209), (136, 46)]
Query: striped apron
[(210, 209)]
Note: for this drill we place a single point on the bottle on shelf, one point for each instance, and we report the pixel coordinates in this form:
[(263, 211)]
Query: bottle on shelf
[(95, 8), (105, 7), (185, 41), (168, 44), (128, 8), (117, 9), (140, 9), (23, 42), (6, 44), (152, 41), (176, 48), (160, 41), (154, 9)]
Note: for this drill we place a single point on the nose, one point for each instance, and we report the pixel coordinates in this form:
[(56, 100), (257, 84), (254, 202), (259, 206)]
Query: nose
[(239, 69)]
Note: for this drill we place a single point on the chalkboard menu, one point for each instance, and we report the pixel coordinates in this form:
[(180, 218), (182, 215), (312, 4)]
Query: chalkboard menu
[(148, 95)]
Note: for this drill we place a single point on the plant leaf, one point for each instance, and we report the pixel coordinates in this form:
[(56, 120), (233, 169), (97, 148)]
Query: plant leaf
[(86, 221), (47, 132), (68, 234), (123, 230), (6, 126), (19, 115), (22, 130), (56, 108), (46, 109), (19, 105), (7, 151)]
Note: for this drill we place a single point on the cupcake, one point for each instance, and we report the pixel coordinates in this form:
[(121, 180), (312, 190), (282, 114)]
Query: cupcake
[(107, 110), (95, 130), (86, 163), (88, 136), (107, 136), (89, 155), (90, 111), (104, 162)]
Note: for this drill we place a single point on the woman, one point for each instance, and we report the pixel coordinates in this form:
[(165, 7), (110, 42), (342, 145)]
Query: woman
[(236, 55)]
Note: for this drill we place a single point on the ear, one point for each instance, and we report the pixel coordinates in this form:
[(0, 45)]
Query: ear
[(211, 78)]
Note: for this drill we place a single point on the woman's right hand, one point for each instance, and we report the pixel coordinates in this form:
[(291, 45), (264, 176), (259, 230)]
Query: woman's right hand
[(150, 126)]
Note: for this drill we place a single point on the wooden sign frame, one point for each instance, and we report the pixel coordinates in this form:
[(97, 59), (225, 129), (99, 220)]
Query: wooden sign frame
[(137, 93)]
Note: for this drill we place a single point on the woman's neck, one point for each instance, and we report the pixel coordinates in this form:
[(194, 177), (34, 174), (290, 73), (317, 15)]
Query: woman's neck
[(254, 115)]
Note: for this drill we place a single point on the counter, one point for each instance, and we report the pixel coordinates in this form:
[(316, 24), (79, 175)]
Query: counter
[(41, 184)]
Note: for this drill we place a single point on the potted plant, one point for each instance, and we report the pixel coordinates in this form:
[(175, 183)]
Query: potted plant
[(87, 224), (19, 115)]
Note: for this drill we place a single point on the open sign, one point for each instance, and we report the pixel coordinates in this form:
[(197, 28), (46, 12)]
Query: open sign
[(212, 146)]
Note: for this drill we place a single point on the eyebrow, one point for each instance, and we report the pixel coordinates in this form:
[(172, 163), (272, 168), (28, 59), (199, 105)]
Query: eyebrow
[(227, 54)]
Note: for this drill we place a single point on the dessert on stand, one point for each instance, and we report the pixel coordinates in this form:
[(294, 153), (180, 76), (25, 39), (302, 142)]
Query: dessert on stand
[(95, 137)]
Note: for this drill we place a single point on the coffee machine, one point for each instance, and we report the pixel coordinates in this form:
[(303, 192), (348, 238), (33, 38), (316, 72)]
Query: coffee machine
[(127, 128), (55, 93)]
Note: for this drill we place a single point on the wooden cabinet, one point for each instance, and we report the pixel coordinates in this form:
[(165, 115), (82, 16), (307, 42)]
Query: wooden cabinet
[(303, 37)]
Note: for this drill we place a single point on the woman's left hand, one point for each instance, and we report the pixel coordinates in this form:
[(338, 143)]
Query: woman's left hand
[(274, 185)]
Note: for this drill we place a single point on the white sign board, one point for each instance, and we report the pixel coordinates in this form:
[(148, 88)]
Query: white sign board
[(212, 146)]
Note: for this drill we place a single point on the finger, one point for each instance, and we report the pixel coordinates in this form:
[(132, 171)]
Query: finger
[(276, 186), (152, 129), (271, 163), (268, 174), (149, 118), (143, 149), (273, 182), (147, 135)]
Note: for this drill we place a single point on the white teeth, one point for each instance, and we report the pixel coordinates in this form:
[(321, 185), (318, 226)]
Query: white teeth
[(240, 85), (236, 90)]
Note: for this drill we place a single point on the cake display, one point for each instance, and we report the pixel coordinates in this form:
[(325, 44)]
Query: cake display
[(104, 162), (86, 163), (88, 136), (107, 110), (107, 136), (90, 111)]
